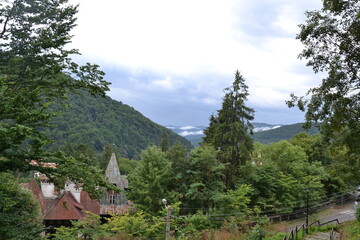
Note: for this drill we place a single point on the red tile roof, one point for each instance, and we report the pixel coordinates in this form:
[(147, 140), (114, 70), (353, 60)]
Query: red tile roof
[(67, 208), (91, 205), (64, 207), (33, 186)]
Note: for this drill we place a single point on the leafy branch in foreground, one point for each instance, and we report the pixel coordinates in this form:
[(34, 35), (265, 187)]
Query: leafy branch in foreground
[(36, 70), (332, 45)]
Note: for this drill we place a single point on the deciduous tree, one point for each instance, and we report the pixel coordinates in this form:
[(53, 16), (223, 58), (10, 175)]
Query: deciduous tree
[(20, 216), (149, 181), (331, 38), (35, 70)]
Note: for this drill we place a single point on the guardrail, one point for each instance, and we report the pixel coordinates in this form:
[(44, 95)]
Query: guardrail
[(301, 212)]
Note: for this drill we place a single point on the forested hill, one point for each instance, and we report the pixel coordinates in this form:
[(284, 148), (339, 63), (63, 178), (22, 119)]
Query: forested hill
[(96, 121), (282, 133), (264, 133)]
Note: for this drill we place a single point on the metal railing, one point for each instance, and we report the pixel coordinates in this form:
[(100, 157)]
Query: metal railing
[(295, 231)]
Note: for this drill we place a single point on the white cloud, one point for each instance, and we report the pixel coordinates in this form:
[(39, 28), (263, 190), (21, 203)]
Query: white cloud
[(189, 50), (187, 133)]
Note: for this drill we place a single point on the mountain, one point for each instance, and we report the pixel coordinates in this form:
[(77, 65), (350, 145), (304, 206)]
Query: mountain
[(263, 132), (96, 121), (281, 133)]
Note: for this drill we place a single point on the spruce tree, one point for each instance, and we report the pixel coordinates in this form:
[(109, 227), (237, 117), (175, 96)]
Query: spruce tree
[(164, 145), (229, 131)]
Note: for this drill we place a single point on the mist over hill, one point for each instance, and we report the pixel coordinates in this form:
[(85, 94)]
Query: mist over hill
[(263, 132), (96, 121)]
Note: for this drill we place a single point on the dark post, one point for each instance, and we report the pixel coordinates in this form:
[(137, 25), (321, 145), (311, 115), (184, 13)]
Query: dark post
[(307, 189)]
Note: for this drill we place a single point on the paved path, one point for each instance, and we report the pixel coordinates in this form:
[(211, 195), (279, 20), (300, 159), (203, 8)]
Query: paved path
[(343, 213)]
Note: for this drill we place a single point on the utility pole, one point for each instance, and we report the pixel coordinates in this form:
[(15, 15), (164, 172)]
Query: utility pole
[(168, 218), (307, 189)]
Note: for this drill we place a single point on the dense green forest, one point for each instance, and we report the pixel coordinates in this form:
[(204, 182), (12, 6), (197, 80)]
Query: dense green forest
[(224, 189), (96, 121)]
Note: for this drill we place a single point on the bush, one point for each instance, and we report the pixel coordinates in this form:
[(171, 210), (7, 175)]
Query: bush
[(357, 214), (192, 225), (136, 224)]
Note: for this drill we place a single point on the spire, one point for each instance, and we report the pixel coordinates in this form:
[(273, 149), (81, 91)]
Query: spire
[(112, 172)]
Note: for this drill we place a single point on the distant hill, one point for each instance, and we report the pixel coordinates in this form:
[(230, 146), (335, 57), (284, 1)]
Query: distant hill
[(96, 121), (282, 133), (263, 132)]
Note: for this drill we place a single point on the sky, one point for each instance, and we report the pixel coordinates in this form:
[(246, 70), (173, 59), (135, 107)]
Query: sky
[(171, 59)]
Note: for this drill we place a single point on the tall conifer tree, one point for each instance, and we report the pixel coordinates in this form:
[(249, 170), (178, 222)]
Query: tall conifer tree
[(229, 131)]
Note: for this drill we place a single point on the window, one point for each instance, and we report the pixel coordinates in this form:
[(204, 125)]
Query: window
[(112, 199)]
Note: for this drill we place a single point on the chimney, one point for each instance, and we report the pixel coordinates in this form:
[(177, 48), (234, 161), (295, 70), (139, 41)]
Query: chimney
[(47, 188), (74, 190)]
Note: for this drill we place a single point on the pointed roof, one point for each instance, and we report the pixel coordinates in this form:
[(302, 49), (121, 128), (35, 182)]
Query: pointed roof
[(112, 172), (33, 186), (65, 208)]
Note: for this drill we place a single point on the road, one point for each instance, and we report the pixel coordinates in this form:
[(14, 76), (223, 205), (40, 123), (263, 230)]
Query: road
[(342, 212), (345, 213)]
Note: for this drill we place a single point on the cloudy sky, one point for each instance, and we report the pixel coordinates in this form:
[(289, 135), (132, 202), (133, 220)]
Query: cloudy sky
[(171, 59)]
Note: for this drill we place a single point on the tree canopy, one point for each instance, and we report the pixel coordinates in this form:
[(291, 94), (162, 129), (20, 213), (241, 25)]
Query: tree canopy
[(36, 69), (20, 215), (229, 131), (331, 39)]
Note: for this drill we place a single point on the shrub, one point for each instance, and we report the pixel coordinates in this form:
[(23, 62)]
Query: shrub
[(357, 214), (136, 224)]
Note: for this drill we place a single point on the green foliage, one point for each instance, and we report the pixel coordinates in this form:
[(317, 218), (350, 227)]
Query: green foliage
[(282, 133), (138, 224), (345, 162), (278, 236), (332, 45), (164, 145), (357, 214), (234, 202), (108, 126), (257, 232), (229, 131), (88, 228), (192, 226), (20, 216), (351, 230), (203, 175), (178, 156), (129, 226), (82, 153), (127, 165), (279, 174), (35, 71), (66, 233), (149, 181)]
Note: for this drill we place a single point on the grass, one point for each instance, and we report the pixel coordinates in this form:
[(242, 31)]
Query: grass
[(350, 230)]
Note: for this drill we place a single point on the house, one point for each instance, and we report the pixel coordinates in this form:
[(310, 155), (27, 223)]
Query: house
[(59, 208)]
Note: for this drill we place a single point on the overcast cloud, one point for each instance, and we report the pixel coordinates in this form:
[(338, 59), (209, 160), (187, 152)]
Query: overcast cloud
[(170, 60)]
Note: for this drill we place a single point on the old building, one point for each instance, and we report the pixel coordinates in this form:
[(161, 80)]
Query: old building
[(59, 208), (113, 202)]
